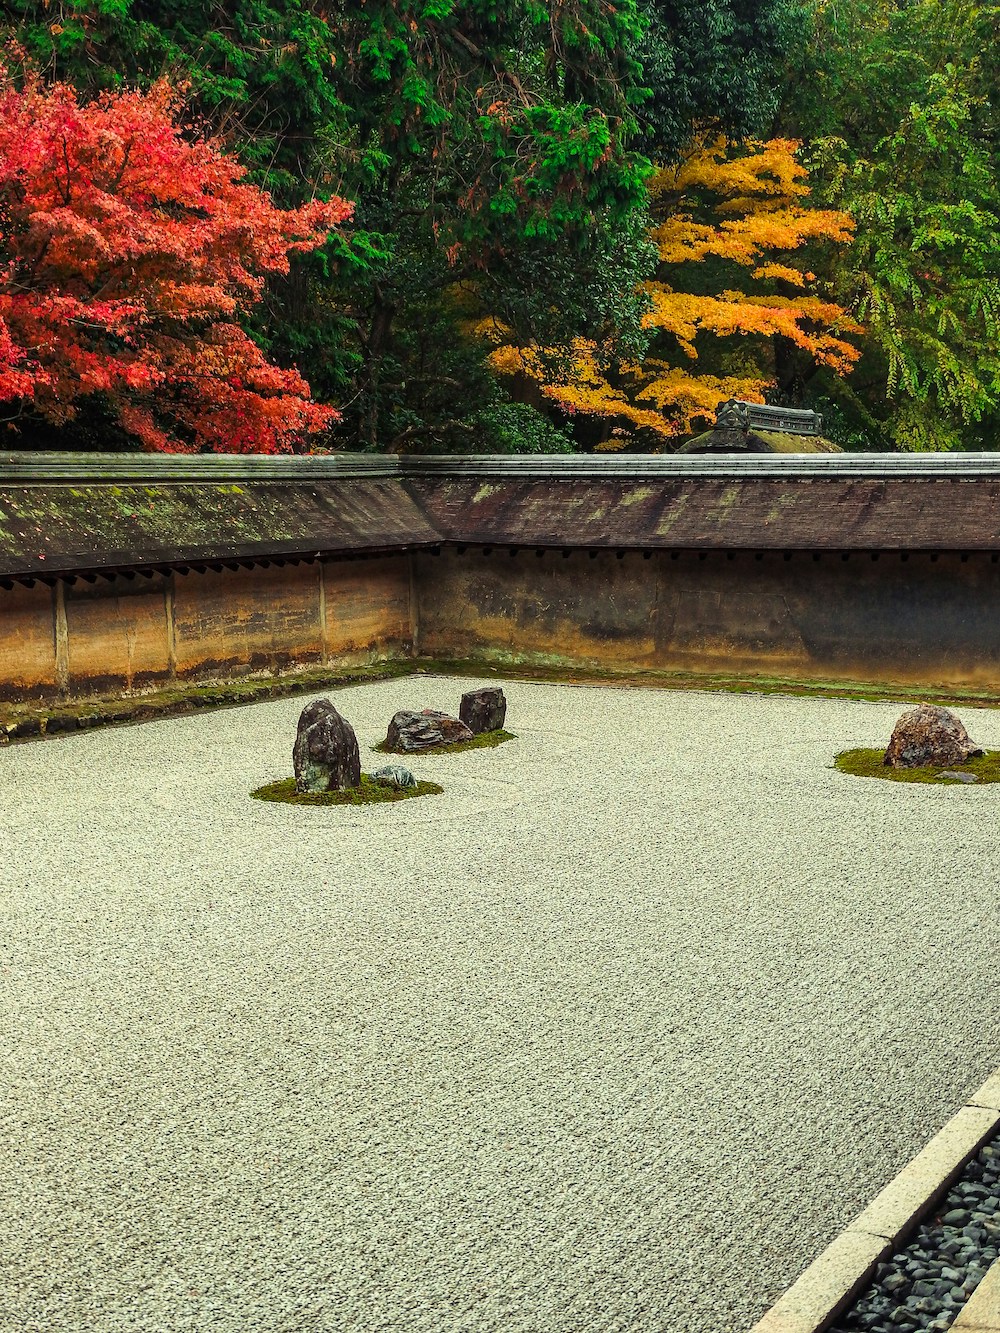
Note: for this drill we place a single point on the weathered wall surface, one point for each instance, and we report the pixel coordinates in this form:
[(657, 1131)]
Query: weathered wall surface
[(27, 642), (121, 634), (247, 619), (367, 606), (929, 618), (116, 633)]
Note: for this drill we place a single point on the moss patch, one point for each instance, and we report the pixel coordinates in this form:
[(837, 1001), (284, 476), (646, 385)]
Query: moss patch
[(31, 720), (487, 740), (560, 671), (868, 764), (369, 793)]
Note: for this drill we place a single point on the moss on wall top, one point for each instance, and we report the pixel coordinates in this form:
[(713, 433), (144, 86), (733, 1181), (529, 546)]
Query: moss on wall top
[(51, 528)]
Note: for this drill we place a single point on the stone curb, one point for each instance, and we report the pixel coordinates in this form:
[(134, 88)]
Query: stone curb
[(981, 1313), (830, 1283)]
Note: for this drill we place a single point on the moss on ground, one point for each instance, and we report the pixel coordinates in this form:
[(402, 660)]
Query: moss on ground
[(371, 792), (868, 764), (31, 720), (486, 740), (564, 672)]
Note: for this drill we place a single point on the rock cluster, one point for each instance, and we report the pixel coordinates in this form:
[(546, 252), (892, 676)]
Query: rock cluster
[(925, 1284), (325, 755), (929, 735), (410, 732), (483, 710)]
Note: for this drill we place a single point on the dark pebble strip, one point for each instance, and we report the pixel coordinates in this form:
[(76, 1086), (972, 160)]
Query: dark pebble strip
[(925, 1284)]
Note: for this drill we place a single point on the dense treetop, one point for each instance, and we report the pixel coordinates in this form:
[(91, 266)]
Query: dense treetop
[(506, 163)]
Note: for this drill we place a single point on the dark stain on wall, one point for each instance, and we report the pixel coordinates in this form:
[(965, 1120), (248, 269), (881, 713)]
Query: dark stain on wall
[(930, 618)]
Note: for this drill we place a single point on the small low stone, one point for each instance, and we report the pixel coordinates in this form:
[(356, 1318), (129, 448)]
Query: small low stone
[(958, 777), (395, 775), (957, 1217)]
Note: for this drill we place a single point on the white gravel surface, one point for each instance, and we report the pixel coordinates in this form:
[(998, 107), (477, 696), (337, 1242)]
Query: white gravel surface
[(614, 1035)]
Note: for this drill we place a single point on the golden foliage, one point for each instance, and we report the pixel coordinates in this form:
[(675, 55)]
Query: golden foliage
[(746, 207)]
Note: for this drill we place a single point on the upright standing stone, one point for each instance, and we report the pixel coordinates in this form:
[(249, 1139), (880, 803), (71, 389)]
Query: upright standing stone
[(325, 755), (929, 735), (483, 710), (410, 732)]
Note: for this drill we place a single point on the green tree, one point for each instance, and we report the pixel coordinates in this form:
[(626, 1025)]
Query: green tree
[(896, 98)]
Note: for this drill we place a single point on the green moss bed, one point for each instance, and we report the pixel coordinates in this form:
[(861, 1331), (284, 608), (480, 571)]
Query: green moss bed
[(485, 741), (369, 793), (868, 764)]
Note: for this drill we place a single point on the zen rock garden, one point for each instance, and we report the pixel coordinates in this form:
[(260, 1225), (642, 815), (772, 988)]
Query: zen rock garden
[(326, 757), (928, 744)]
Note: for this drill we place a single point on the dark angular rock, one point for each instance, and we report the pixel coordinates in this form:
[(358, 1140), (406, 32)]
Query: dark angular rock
[(929, 735), (59, 722), (410, 732), (325, 754), (483, 710)]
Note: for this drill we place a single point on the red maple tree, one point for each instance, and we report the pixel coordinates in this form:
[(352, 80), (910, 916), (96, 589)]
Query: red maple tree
[(127, 254)]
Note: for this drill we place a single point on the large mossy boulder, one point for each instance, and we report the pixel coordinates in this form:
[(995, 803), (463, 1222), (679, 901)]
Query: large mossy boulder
[(325, 755), (929, 736)]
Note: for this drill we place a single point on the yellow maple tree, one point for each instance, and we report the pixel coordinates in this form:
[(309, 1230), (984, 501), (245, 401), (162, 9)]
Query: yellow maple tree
[(728, 217)]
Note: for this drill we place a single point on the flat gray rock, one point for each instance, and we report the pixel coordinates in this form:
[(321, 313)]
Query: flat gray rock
[(958, 777), (410, 732)]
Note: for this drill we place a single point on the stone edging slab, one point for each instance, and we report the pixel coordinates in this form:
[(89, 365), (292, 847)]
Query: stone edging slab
[(981, 1314), (832, 1281)]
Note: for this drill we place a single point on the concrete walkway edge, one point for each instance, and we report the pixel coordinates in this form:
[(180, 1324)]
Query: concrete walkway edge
[(833, 1280)]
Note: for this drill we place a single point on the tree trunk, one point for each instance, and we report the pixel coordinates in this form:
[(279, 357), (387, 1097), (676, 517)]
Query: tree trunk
[(376, 345)]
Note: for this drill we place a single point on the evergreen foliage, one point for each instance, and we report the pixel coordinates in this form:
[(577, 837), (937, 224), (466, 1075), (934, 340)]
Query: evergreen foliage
[(898, 100)]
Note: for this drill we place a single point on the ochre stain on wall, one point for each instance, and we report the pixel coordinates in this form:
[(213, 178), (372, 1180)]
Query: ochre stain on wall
[(929, 619), (926, 619), (117, 631), (594, 611), (236, 620), (124, 635), (367, 605), (27, 642)]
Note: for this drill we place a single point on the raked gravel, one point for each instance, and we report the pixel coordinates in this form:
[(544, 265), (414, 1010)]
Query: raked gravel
[(613, 1036)]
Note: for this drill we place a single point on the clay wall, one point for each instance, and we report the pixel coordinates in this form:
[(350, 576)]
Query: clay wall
[(28, 666), (122, 634), (922, 617), (932, 618)]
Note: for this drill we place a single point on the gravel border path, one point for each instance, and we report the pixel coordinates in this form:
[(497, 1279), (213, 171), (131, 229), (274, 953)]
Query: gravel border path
[(927, 1282), (616, 1034)]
